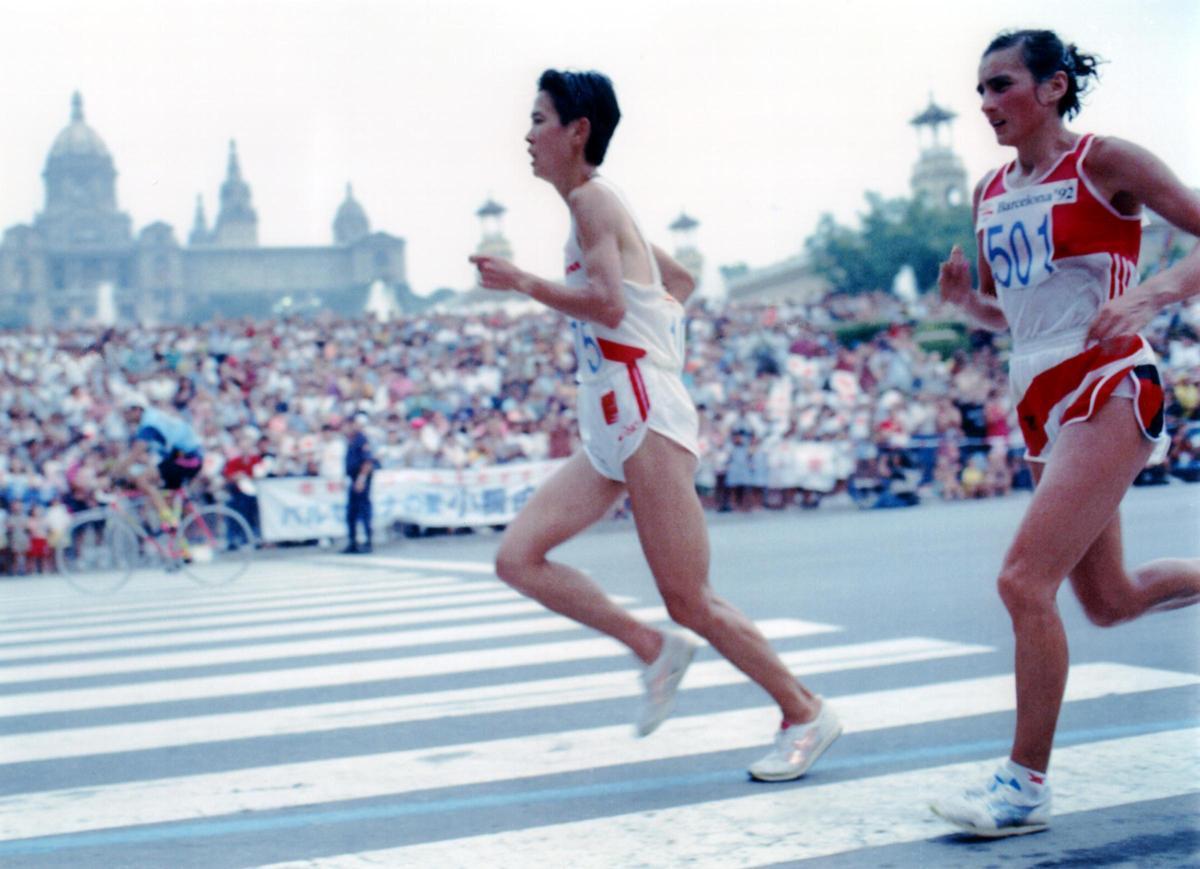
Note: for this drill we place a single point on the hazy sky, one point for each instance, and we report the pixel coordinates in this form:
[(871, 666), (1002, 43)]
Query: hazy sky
[(754, 116)]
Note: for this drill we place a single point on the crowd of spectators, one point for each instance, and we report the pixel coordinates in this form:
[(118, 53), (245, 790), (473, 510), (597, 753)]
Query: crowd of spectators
[(789, 414)]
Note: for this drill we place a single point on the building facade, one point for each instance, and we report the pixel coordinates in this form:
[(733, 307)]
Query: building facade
[(79, 261)]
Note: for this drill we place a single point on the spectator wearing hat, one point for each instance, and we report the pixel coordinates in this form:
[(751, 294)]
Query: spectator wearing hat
[(360, 466)]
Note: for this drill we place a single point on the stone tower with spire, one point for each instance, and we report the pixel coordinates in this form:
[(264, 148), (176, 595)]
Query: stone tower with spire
[(237, 224), (938, 175), (492, 240), (686, 249), (199, 234)]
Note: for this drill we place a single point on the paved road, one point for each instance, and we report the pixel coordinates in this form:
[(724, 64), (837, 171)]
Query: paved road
[(406, 709)]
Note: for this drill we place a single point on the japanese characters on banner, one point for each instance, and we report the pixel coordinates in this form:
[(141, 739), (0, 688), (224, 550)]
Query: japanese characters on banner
[(308, 508)]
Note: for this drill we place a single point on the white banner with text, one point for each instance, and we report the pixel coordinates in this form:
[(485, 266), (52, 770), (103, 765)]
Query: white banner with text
[(309, 508)]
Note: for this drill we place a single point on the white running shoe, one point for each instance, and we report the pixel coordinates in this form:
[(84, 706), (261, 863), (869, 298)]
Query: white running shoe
[(662, 680), (797, 747), (999, 809)]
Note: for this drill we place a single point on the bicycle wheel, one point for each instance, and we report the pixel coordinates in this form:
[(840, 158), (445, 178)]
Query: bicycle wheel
[(99, 553), (216, 545)]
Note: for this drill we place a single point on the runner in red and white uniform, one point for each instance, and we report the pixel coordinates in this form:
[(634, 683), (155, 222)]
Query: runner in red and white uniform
[(1059, 230), (639, 430), (1056, 252)]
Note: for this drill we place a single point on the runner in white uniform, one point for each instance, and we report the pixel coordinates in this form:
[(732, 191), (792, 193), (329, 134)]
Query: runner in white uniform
[(639, 431), (630, 376), (1058, 232)]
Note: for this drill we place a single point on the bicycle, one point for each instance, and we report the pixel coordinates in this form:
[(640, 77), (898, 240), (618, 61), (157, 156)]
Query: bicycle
[(104, 546)]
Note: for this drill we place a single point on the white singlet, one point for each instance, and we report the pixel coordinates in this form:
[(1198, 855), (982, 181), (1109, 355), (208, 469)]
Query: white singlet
[(629, 376)]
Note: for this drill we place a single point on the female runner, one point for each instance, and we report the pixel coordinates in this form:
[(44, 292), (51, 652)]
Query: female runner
[(1059, 231)]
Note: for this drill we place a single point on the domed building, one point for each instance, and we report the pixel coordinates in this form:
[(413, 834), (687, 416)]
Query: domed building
[(81, 191), (80, 250), (350, 224)]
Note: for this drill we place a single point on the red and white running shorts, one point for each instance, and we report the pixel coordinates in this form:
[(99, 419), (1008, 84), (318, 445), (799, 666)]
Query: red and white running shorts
[(1060, 383)]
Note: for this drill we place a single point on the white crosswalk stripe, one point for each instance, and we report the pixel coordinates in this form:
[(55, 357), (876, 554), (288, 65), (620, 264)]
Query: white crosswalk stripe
[(288, 785), (230, 613), (295, 691), (355, 617), (303, 585), (775, 826), (131, 662), (500, 697), (317, 676)]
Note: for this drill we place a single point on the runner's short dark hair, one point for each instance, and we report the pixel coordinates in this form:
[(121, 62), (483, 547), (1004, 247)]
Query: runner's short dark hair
[(584, 95)]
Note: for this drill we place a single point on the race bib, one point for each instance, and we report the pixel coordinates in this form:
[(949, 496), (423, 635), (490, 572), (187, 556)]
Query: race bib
[(1016, 232), (587, 351)]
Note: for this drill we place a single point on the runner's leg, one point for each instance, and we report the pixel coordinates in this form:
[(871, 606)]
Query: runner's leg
[(573, 499), (670, 524), (1090, 469), (1109, 594)]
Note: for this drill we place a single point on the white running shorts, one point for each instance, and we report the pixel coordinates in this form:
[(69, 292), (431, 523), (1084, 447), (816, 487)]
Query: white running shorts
[(616, 411)]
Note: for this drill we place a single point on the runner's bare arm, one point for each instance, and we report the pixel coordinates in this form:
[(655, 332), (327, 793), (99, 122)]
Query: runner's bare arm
[(954, 282), (678, 280), (1132, 176), (597, 217)]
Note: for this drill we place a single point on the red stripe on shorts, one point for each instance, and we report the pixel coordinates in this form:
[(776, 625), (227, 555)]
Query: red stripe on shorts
[(1056, 383)]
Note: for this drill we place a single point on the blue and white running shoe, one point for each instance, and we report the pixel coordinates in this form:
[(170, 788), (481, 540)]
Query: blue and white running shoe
[(1001, 808)]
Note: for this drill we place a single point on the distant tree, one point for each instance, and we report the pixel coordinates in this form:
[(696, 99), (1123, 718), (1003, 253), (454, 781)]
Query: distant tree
[(892, 233)]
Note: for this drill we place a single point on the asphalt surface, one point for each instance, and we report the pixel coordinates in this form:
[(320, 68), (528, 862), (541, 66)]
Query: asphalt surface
[(406, 709)]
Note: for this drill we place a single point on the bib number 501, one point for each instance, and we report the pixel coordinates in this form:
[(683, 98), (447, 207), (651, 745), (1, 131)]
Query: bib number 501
[(1014, 255)]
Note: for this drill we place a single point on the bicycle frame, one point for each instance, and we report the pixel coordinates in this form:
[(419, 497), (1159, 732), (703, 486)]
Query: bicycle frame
[(128, 504), (210, 543)]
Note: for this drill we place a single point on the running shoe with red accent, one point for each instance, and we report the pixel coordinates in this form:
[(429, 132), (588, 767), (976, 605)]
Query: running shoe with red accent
[(1001, 808), (797, 747)]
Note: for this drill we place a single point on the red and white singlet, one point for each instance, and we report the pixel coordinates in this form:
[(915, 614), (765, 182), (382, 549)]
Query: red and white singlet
[(1057, 252)]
